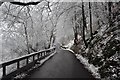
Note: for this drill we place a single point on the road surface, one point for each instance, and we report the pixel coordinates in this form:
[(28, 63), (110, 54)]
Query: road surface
[(62, 65)]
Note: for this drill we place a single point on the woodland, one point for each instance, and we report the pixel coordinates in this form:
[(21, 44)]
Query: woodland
[(27, 27)]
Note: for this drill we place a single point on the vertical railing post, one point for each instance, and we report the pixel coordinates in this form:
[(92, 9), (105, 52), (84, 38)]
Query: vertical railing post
[(44, 53), (38, 56), (41, 53), (18, 65), (50, 51), (33, 57), (4, 70), (27, 60)]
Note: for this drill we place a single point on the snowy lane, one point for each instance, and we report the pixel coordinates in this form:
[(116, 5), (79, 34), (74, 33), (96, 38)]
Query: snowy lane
[(62, 65)]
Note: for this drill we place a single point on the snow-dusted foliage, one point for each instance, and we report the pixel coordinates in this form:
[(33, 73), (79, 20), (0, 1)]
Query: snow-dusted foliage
[(25, 29), (103, 50), (94, 26)]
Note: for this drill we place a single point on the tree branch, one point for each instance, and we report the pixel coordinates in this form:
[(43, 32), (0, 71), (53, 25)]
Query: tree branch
[(25, 4)]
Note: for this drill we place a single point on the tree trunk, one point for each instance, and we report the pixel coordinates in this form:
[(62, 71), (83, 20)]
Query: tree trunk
[(75, 31), (51, 37), (27, 41), (84, 24), (53, 40), (110, 11), (91, 34)]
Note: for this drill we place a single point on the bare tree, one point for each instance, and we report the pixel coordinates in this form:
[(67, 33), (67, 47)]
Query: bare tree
[(110, 13), (91, 34), (84, 25), (26, 35)]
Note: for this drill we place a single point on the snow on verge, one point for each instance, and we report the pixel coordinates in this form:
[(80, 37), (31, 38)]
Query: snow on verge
[(69, 45), (90, 67)]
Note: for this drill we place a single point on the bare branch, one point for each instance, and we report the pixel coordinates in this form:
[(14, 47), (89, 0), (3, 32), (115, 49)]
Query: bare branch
[(25, 4), (30, 16)]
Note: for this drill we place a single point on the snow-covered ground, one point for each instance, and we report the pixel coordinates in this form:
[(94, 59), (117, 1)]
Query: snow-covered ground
[(90, 67), (69, 45)]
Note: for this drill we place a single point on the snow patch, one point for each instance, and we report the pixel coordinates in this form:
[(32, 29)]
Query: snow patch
[(87, 50), (101, 31), (90, 67), (69, 45), (68, 50), (117, 38)]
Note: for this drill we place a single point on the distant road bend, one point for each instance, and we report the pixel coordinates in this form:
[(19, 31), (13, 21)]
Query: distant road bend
[(62, 65)]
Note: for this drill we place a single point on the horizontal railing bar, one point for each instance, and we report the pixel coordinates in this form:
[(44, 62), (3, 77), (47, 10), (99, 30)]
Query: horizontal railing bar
[(29, 65), (23, 57)]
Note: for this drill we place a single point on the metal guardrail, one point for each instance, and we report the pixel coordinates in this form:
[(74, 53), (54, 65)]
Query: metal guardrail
[(38, 55)]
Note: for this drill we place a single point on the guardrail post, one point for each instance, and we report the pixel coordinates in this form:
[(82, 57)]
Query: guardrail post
[(33, 57), (44, 53), (18, 65), (4, 71), (38, 56), (54, 49), (27, 61)]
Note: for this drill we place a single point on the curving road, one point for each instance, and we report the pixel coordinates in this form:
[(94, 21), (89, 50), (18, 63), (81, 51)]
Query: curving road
[(62, 65)]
